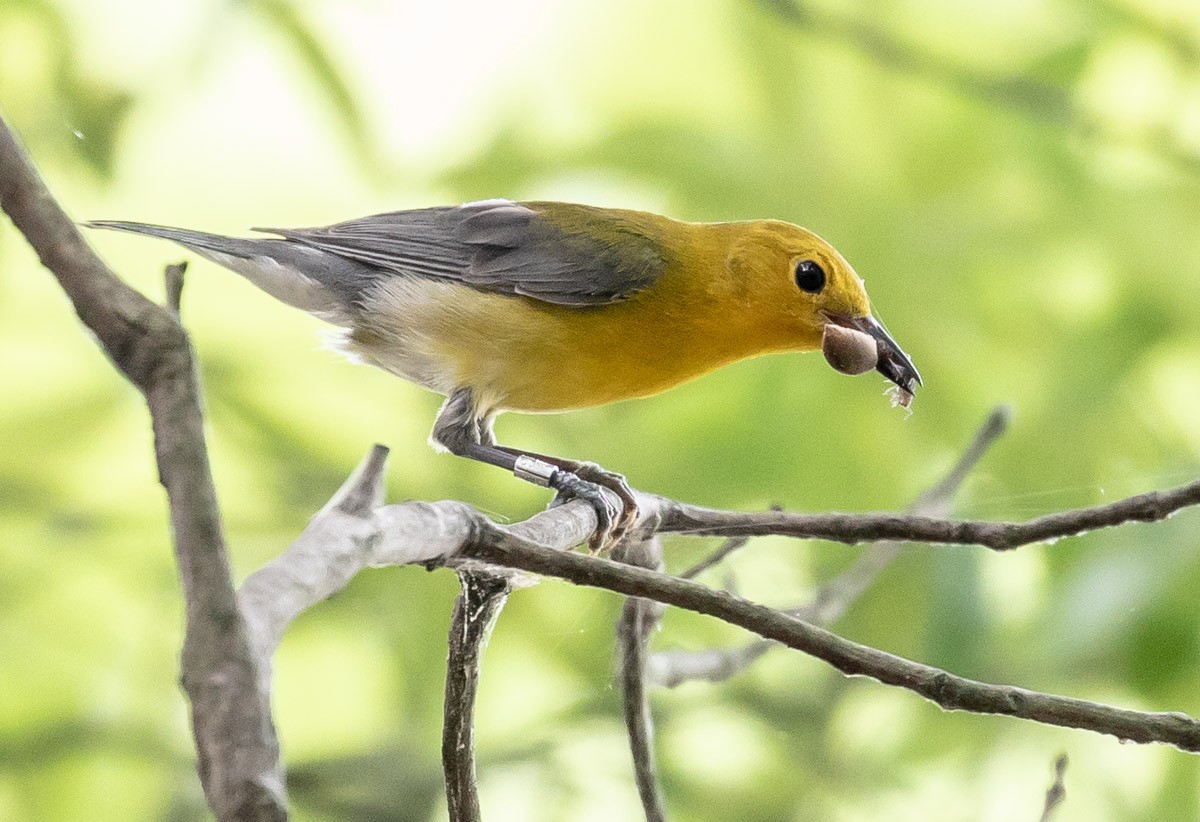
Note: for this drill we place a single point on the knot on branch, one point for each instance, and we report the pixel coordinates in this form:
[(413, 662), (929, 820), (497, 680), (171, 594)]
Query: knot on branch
[(153, 351), (939, 687), (1016, 701)]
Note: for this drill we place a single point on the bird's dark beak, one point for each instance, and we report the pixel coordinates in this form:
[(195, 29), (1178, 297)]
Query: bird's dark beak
[(893, 363)]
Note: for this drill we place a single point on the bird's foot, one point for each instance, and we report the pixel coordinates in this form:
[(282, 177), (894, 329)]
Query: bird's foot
[(597, 487), (616, 483)]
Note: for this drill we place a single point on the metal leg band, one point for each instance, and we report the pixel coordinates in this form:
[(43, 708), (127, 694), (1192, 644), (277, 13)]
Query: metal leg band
[(534, 470)]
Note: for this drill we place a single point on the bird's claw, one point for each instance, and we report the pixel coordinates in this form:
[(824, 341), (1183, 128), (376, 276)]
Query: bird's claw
[(608, 494), (604, 502), (616, 483)]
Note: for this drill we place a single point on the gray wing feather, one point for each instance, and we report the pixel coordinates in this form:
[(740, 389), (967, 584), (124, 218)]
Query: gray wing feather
[(494, 245), (496, 223)]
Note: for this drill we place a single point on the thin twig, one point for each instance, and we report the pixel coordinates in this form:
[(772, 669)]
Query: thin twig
[(730, 546), (833, 599), (1058, 791), (238, 753), (727, 547), (852, 529), (497, 547), (638, 619), (174, 277), (936, 500), (445, 532), (335, 546), (672, 668)]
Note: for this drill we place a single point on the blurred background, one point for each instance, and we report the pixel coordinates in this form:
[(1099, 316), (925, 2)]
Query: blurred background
[(1018, 183)]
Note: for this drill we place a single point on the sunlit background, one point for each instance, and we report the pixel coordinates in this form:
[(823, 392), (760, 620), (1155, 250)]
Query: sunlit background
[(1019, 184)]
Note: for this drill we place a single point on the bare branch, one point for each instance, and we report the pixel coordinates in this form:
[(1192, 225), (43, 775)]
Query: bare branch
[(174, 276), (231, 720), (130, 328), (342, 540), (454, 533), (638, 619), (729, 546), (337, 544), (475, 612), (726, 549), (852, 529), (835, 597), (1057, 792), (672, 668), (949, 691)]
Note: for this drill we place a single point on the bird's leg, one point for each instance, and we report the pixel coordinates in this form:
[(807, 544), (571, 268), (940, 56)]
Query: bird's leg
[(467, 433), (587, 471), (597, 475)]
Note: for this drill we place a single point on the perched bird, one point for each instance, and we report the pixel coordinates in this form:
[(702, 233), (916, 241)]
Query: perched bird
[(546, 306)]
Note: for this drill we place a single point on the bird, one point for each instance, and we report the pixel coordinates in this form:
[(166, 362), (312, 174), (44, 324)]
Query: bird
[(542, 307)]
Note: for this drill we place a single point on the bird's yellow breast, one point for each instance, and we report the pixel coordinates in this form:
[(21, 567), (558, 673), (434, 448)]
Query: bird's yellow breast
[(522, 354)]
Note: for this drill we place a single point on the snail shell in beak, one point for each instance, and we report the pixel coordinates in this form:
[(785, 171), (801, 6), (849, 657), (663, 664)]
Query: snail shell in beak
[(849, 351)]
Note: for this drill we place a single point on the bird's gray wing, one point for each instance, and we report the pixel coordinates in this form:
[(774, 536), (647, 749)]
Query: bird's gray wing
[(553, 252)]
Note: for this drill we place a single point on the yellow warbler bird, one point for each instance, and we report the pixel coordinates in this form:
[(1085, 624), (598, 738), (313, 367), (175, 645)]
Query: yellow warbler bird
[(545, 306)]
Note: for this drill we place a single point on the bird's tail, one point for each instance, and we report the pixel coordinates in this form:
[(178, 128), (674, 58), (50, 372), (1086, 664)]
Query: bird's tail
[(284, 272), (197, 240)]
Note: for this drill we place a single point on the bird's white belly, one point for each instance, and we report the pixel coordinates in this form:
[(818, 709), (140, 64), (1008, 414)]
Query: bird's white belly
[(433, 334)]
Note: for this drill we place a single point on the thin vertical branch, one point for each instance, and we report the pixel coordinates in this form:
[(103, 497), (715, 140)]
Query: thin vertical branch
[(1058, 791), (638, 619), (475, 611)]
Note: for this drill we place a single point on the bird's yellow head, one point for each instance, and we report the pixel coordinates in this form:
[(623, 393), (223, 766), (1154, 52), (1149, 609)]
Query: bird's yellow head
[(803, 293), (796, 279)]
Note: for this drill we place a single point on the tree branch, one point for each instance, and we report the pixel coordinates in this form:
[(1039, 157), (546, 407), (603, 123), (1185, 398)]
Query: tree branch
[(852, 529), (1057, 791), (728, 547), (451, 533), (230, 638), (231, 719), (638, 619), (949, 691), (341, 540), (475, 612), (831, 601)]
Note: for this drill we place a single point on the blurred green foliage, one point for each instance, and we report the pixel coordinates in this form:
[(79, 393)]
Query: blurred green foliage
[(1020, 186)]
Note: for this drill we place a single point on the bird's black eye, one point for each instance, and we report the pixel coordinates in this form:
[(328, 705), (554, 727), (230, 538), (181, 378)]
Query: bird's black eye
[(810, 276)]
